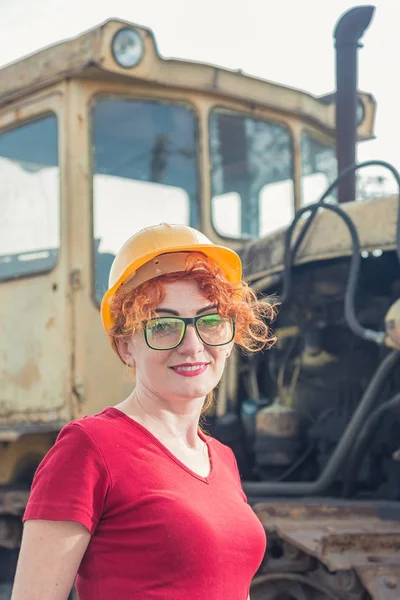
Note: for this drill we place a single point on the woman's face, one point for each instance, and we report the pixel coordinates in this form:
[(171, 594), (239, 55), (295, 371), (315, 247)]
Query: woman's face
[(165, 372)]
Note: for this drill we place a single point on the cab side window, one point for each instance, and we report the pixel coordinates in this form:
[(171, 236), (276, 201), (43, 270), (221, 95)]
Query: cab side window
[(29, 198)]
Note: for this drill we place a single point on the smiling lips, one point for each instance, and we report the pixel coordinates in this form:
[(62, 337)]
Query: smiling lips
[(190, 369)]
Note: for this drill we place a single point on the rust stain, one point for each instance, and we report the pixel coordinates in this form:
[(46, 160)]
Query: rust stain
[(313, 511), (28, 376), (360, 541), (17, 115), (50, 323), (24, 378)]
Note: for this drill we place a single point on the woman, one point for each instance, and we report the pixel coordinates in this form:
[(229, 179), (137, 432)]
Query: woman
[(137, 501)]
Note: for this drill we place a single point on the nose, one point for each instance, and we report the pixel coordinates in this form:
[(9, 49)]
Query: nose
[(191, 343)]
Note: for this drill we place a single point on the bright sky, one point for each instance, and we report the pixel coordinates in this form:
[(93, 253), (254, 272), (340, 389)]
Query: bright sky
[(289, 41)]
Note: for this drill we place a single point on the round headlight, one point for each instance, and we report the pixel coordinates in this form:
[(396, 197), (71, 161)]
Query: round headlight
[(127, 48)]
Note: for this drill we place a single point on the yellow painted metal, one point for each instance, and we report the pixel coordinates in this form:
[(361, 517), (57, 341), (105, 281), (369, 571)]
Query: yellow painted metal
[(90, 56), (35, 346)]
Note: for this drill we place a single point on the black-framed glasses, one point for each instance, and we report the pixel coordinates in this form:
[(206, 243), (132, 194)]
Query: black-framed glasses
[(166, 333)]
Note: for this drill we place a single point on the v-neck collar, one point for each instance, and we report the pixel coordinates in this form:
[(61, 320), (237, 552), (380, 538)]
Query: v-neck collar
[(118, 413)]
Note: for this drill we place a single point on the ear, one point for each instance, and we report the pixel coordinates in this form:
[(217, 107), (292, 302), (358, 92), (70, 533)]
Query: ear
[(229, 348), (126, 351)]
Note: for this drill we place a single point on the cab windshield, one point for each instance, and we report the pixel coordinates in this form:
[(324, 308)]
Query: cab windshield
[(144, 173), (252, 175)]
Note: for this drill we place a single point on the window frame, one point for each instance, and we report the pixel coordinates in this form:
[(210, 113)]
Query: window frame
[(23, 113), (319, 136), (257, 117)]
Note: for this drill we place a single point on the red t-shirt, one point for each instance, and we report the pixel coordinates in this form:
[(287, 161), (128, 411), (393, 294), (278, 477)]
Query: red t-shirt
[(159, 530)]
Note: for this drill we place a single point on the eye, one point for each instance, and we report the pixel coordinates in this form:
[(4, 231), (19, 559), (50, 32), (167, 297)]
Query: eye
[(163, 327), (210, 321), (160, 326)]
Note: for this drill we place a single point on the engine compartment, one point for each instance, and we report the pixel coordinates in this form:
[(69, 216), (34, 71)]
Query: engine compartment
[(297, 399)]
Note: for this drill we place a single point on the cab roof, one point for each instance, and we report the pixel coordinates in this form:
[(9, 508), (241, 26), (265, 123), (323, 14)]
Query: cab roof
[(89, 55)]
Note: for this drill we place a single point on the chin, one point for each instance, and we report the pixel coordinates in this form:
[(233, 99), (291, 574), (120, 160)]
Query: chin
[(192, 392)]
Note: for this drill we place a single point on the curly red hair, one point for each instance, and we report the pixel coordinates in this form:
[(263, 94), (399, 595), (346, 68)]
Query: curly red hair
[(131, 307)]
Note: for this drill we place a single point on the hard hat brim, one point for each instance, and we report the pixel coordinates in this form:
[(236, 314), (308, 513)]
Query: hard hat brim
[(225, 258)]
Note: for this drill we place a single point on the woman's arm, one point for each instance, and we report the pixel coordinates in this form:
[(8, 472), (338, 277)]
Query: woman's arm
[(51, 552)]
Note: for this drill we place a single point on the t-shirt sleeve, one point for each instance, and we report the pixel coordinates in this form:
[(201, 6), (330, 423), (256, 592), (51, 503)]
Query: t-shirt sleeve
[(72, 481)]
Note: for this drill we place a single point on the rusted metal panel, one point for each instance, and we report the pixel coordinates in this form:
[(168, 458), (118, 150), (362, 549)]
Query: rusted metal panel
[(34, 365), (343, 536), (48, 66), (328, 237), (91, 52)]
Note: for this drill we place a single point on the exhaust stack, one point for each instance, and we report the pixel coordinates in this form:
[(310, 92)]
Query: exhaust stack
[(348, 32)]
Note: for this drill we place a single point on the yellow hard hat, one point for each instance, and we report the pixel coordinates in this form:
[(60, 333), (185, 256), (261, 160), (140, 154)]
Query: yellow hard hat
[(157, 241)]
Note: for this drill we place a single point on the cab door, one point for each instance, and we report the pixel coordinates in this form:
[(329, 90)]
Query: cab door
[(34, 335), (132, 163)]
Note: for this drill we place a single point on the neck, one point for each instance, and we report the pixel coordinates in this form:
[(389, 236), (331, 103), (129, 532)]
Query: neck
[(175, 419)]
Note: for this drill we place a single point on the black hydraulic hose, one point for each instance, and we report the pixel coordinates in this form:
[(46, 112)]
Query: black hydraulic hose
[(355, 263), (261, 489), (290, 253), (329, 190), (357, 453)]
